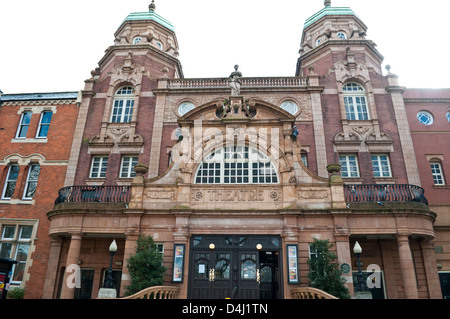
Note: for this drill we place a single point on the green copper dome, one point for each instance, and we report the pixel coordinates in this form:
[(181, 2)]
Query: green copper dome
[(150, 15), (327, 11)]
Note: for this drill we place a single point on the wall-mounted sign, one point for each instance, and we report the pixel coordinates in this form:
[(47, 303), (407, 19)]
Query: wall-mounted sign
[(178, 262), (292, 262)]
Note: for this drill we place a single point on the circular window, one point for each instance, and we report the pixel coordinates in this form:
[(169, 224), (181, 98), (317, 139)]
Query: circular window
[(425, 118), (185, 108), (159, 45), (137, 40), (318, 42), (341, 35), (448, 116), (289, 106)]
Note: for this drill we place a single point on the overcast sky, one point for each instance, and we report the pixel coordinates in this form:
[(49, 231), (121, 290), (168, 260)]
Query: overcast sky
[(52, 45)]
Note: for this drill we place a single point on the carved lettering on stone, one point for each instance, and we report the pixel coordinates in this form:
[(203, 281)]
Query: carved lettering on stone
[(160, 195), (313, 194), (236, 195)]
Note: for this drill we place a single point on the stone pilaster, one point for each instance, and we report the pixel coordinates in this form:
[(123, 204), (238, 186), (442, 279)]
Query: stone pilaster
[(68, 290), (407, 267)]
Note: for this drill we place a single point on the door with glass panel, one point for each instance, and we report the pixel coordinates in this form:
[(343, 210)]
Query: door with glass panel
[(235, 267), (211, 275)]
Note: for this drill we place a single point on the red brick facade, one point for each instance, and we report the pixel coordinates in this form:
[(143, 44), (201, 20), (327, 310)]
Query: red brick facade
[(188, 204), (51, 154)]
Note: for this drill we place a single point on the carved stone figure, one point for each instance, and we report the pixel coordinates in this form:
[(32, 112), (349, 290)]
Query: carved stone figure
[(235, 82)]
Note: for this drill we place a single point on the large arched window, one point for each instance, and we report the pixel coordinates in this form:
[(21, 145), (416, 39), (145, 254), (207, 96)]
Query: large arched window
[(123, 105), (355, 102), (236, 165)]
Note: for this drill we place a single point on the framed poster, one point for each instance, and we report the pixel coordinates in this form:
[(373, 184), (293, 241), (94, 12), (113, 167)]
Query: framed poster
[(178, 262), (292, 262)]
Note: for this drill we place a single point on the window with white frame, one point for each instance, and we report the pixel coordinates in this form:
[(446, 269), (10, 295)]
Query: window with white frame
[(15, 244), (10, 182), (355, 102), (304, 158), (32, 180), (98, 167), (127, 166), (342, 35), (24, 124), (381, 166), (137, 40), (236, 165), (349, 165), (438, 175), (123, 105), (425, 118), (44, 124)]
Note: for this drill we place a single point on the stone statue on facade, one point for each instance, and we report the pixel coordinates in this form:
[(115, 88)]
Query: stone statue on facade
[(235, 81)]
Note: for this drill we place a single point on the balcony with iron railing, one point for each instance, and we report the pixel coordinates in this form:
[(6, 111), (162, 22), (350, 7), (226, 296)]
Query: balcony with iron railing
[(94, 194), (365, 193), (379, 193)]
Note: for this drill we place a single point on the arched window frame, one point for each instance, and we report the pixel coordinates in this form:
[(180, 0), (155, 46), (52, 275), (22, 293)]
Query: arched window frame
[(238, 164), (123, 105), (356, 102)]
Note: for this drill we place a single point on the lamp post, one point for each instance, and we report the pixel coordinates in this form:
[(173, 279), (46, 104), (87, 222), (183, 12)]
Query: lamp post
[(109, 280), (358, 250), (362, 292)]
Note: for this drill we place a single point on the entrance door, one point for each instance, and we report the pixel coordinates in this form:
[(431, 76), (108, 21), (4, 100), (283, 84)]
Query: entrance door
[(211, 275), (87, 281), (223, 266), (249, 275)]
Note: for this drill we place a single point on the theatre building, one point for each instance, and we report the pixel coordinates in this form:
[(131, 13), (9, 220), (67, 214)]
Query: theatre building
[(234, 177)]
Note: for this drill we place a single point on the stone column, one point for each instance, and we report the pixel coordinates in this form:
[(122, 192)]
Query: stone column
[(129, 250), (67, 291), (52, 268), (403, 129), (155, 150), (407, 267), (343, 251), (319, 132), (431, 273)]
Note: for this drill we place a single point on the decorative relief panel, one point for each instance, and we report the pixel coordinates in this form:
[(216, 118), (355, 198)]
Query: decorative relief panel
[(173, 101)]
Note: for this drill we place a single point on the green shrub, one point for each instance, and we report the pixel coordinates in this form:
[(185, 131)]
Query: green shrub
[(324, 272), (145, 266)]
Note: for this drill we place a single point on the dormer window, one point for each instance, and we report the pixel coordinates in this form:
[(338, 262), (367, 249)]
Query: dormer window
[(123, 105), (137, 40), (342, 35)]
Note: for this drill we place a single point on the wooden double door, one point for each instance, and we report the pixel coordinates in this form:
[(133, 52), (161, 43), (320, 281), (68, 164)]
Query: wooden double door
[(235, 267)]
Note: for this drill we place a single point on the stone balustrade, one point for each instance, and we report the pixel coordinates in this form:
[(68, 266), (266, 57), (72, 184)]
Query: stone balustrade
[(311, 293)]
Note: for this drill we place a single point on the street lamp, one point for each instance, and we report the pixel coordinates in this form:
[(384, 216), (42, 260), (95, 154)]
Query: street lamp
[(358, 250), (109, 280)]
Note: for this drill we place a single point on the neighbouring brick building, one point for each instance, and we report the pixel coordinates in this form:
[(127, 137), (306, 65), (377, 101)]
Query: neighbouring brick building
[(428, 112), (237, 175), (35, 139)]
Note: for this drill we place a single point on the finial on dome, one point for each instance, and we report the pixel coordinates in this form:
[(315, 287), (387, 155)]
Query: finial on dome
[(152, 6), (327, 3)]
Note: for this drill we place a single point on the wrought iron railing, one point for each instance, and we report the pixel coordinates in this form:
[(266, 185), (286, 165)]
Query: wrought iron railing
[(384, 193), (104, 194)]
